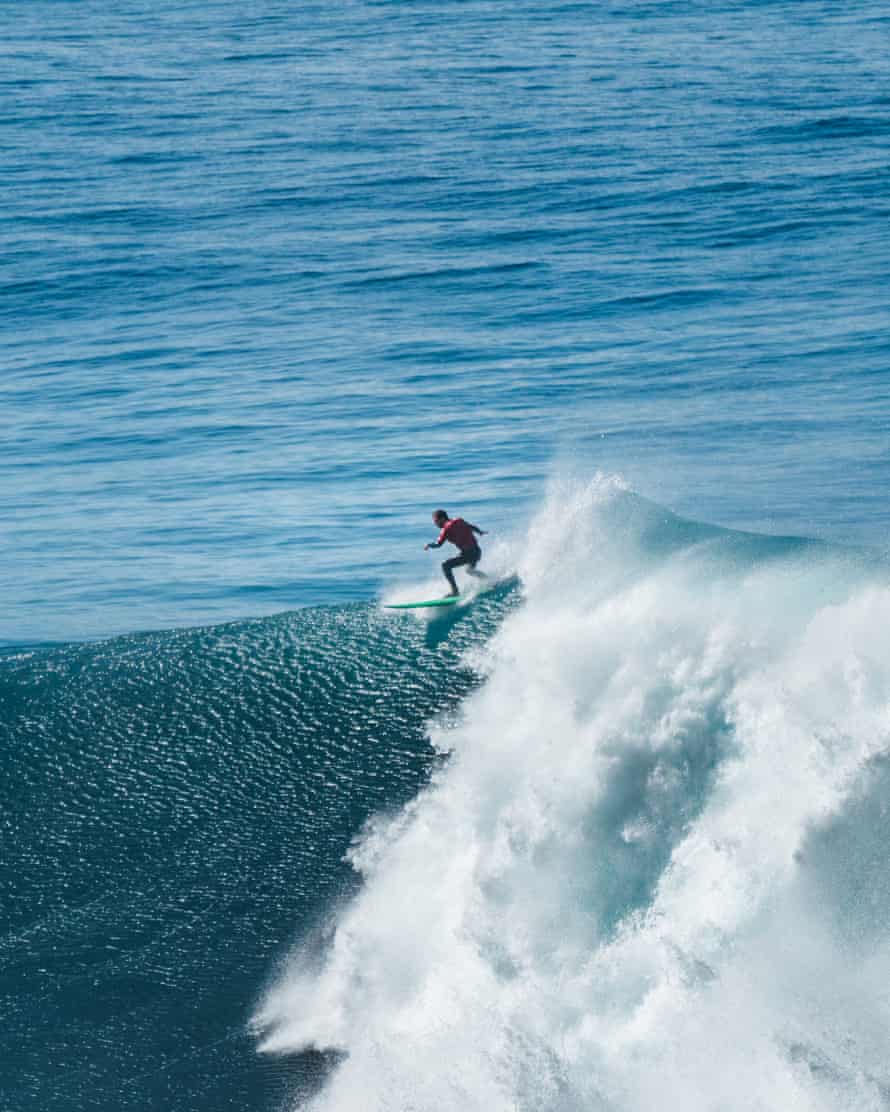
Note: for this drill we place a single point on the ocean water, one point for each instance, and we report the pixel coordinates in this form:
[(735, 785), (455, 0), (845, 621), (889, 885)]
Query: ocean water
[(277, 280)]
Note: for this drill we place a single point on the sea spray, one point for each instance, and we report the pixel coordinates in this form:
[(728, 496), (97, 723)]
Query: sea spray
[(625, 888)]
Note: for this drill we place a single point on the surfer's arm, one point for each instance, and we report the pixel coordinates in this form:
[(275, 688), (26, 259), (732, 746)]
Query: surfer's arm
[(437, 543), (476, 529)]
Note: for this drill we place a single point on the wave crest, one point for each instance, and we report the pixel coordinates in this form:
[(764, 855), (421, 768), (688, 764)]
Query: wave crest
[(607, 898)]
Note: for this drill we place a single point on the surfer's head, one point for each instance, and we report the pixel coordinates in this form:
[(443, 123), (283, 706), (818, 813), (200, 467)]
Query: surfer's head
[(440, 517)]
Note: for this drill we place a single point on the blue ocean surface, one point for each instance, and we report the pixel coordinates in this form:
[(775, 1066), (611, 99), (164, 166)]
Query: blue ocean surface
[(611, 281), (279, 279)]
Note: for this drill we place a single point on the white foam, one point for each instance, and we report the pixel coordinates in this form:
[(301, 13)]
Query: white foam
[(497, 563), (610, 898)]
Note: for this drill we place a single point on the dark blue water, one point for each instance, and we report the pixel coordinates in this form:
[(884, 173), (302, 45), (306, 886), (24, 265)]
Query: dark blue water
[(176, 811), (277, 280)]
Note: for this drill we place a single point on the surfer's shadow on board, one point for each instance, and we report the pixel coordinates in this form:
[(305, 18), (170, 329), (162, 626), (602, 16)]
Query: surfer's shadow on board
[(440, 620), (437, 621)]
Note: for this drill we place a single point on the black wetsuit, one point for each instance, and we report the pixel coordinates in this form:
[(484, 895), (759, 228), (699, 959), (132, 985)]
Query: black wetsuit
[(470, 556)]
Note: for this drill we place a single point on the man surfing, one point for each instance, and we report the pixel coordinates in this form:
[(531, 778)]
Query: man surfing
[(459, 533)]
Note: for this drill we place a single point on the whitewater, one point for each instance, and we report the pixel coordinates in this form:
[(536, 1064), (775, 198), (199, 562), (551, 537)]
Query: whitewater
[(650, 871)]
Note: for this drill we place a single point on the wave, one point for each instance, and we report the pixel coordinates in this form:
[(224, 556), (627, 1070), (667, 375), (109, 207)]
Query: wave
[(652, 871), (175, 806)]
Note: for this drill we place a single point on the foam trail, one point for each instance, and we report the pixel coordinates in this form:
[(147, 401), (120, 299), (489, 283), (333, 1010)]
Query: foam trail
[(630, 888)]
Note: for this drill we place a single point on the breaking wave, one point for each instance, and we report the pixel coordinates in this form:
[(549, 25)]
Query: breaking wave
[(652, 872)]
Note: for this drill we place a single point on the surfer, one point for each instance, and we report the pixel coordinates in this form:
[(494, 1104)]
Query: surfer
[(459, 533)]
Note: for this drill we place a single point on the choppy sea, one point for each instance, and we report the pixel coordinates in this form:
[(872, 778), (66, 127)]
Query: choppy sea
[(276, 281)]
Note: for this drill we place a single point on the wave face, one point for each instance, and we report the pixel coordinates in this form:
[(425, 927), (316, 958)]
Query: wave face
[(175, 807), (652, 873)]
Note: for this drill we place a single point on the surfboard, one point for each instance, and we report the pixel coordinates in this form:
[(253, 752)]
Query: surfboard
[(450, 601)]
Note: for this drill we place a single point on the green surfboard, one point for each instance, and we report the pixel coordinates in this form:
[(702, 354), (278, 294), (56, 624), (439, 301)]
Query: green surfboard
[(450, 601)]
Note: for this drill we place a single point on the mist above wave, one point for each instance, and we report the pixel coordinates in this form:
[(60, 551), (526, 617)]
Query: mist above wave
[(631, 886)]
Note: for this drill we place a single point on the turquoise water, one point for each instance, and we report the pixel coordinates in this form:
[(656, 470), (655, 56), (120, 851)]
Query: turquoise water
[(277, 281)]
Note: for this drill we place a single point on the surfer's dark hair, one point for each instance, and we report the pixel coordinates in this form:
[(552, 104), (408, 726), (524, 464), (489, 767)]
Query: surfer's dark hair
[(440, 513)]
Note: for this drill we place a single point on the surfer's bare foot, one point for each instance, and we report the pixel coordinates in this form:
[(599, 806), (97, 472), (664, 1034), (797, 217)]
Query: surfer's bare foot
[(451, 594)]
